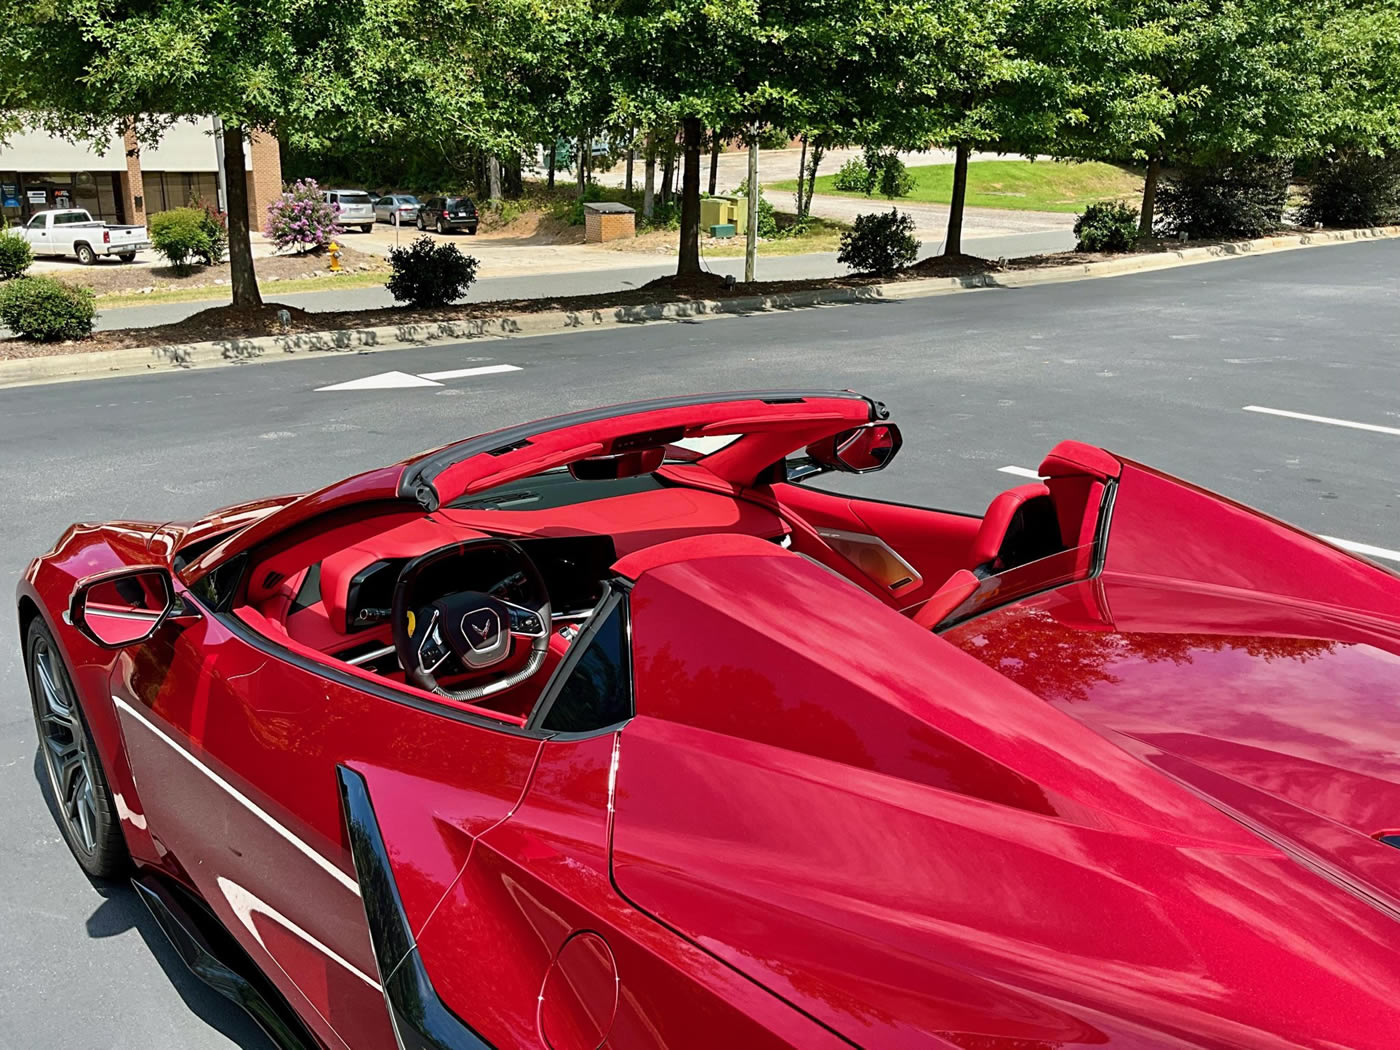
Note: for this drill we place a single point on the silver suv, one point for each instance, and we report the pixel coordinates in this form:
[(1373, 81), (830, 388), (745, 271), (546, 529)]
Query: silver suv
[(353, 208)]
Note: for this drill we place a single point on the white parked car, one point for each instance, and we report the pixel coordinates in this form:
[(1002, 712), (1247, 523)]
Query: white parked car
[(353, 208), (73, 231)]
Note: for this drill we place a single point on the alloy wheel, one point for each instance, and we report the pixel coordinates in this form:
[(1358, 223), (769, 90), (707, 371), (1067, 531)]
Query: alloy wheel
[(65, 748)]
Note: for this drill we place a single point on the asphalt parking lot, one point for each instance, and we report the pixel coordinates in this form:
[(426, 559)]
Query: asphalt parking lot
[(1272, 380)]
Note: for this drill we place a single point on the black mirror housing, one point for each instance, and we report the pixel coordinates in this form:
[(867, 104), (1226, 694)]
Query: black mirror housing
[(858, 451)]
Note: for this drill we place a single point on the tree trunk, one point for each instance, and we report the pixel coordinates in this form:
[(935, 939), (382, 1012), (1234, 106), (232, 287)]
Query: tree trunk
[(581, 164), (953, 244), (631, 155), (649, 173), (751, 238), (693, 133), (240, 247), (818, 151), (1149, 197), (801, 174), (668, 171), (714, 161), (550, 146), (493, 177)]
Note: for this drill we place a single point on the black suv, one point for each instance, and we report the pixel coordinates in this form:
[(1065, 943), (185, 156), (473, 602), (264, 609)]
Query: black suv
[(447, 213)]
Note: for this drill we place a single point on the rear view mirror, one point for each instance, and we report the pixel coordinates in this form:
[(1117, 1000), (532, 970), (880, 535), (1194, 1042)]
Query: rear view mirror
[(858, 451), (122, 608), (622, 465)]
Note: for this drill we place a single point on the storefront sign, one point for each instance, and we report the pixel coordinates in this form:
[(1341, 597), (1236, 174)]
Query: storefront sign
[(38, 197), (9, 195)]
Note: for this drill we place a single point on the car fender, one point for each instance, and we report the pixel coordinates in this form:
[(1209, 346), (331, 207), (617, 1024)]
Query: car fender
[(45, 590)]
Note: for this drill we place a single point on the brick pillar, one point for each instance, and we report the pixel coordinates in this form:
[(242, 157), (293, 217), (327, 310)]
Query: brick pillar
[(264, 176), (133, 187)]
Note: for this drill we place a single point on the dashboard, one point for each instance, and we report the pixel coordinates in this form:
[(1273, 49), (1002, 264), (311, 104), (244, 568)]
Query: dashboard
[(573, 568)]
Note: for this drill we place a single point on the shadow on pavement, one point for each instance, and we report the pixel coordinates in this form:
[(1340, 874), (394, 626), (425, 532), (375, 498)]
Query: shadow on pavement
[(121, 910)]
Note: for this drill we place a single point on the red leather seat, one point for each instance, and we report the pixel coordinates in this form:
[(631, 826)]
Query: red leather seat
[(1019, 527), (953, 593)]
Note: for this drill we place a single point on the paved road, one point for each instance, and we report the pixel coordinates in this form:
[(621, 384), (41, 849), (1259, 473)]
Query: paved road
[(1156, 366), (629, 271)]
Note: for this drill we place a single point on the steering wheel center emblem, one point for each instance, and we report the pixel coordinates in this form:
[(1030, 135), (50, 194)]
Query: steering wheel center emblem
[(482, 628)]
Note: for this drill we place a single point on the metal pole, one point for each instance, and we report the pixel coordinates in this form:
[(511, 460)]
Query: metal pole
[(222, 191), (751, 240)]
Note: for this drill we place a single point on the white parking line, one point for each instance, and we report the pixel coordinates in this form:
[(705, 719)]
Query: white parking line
[(1347, 545), (1373, 427), (1363, 548)]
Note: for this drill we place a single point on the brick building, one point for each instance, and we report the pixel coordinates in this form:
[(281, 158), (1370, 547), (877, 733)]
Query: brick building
[(125, 183)]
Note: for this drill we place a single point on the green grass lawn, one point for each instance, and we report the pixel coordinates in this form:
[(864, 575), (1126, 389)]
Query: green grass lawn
[(1042, 185)]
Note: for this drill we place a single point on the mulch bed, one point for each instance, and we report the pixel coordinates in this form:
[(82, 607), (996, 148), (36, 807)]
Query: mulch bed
[(230, 322)]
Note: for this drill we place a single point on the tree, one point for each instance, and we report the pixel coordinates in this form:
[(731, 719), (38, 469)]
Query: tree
[(1198, 83), (298, 69)]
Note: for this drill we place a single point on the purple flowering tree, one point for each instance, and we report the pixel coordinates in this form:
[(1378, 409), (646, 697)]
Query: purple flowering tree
[(302, 219)]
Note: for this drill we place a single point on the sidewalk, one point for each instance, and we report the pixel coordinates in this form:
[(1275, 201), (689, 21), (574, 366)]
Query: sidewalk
[(774, 165), (522, 281)]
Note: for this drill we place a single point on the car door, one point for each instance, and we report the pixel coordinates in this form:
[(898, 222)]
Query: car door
[(37, 233), (235, 744)]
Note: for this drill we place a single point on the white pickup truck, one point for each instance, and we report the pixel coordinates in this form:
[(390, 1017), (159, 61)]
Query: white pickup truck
[(72, 231)]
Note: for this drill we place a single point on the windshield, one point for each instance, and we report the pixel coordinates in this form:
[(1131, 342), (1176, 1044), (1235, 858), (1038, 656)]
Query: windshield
[(1043, 574), (68, 218), (354, 198)]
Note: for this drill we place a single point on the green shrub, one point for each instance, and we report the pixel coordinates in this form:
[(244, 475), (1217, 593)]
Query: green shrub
[(215, 226), (1107, 226), (429, 273), (44, 309), (1242, 200), (15, 255), (855, 176), (592, 193), (894, 177), (767, 219), (180, 235), (1355, 190), (882, 242)]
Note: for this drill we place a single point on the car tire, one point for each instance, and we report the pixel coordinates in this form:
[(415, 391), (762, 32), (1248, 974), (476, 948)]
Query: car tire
[(127, 257), (441, 229), (421, 227), (367, 228), (85, 254), (87, 816)]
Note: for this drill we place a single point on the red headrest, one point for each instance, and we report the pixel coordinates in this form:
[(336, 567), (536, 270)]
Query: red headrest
[(1075, 457), (987, 545)]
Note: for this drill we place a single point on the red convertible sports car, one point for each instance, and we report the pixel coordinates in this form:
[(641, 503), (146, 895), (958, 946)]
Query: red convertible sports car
[(612, 730)]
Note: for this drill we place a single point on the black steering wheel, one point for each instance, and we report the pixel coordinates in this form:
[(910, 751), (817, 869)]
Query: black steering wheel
[(440, 631)]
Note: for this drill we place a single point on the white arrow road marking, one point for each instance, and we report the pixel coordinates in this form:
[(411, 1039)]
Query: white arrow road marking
[(1346, 545), (383, 381), (1374, 427), (462, 373)]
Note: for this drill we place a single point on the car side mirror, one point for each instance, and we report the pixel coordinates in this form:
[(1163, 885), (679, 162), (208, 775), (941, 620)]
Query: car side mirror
[(122, 608), (857, 451)]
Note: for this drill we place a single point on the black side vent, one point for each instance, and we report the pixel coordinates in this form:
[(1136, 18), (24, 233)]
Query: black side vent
[(522, 443), (271, 580), (784, 400), (1389, 838)]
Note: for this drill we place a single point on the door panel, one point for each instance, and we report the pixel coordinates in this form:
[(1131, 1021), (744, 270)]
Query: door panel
[(539, 882), (934, 543), (238, 749)]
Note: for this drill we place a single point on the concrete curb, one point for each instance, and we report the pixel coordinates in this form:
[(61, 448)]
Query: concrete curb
[(103, 363)]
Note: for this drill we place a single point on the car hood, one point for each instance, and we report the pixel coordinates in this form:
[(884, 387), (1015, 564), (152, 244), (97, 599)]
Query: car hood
[(1246, 904)]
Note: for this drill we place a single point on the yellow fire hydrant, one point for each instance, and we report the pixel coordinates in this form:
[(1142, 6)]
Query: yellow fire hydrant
[(335, 257)]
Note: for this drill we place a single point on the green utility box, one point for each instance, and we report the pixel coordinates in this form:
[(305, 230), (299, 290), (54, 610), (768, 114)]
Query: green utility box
[(738, 212), (714, 211), (722, 229)]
